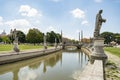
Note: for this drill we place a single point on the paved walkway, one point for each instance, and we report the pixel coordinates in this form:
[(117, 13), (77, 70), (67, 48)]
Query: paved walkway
[(23, 51), (13, 56), (92, 71)]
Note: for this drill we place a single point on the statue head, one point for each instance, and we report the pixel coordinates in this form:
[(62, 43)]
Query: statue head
[(100, 11)]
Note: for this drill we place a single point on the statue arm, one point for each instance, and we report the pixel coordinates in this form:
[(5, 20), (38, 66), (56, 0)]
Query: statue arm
[(101, 19)]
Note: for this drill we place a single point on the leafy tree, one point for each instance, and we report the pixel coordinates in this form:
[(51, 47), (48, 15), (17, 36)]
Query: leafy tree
[(117, 38), (11, 37), (51, 36), (5, 39), (34, 36), (109, 36), (21, 36), (0, 39)]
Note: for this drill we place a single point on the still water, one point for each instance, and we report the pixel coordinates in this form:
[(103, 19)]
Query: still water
[(62, 65)]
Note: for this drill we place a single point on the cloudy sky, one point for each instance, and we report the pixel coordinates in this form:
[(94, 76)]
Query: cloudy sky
[(70, 16)]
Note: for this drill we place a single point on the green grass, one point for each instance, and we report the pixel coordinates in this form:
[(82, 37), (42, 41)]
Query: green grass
[(113, 50), (24, 47), (5, 47), (9, 47)]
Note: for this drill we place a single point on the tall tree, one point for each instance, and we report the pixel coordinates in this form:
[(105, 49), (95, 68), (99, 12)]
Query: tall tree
[(51, 36), (34, 36), (117, 37), (109, 36), (0, 39), (21, 36), (5, 39)]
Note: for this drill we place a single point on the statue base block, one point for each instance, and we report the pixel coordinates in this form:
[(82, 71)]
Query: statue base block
[(15, 48), (98, 52)]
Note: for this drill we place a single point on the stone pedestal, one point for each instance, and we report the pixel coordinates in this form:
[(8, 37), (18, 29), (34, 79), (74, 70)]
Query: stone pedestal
[(15, 48), (98, 52), (55, 43), (45, 44)]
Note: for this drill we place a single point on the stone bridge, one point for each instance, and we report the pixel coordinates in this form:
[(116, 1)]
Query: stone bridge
[(71, 44)]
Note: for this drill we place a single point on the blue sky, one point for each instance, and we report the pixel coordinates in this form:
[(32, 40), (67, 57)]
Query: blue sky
[(70, 16)]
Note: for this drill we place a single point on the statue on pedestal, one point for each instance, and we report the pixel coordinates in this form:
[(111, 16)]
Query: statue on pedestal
[(45, 44), (55, 43), (98, 24), (15, 48), (98, 44)]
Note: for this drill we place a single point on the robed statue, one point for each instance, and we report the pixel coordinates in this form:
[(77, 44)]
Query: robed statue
[(98, 24)]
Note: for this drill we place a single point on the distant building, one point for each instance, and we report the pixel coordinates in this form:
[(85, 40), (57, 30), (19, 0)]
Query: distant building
[(3, 33), (86, 40)]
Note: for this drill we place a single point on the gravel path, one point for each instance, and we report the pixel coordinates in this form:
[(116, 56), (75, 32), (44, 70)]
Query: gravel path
[(113, 67)]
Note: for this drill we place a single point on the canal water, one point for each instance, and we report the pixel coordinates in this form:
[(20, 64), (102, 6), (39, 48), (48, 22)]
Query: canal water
[(62, 65)]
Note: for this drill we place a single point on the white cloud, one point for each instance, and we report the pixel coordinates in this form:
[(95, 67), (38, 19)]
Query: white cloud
[(98, 1), (76, 75), (78, 13), (26, 10), (28, 74), (51, 28), (19, 24), (1, 20), (85, 22)]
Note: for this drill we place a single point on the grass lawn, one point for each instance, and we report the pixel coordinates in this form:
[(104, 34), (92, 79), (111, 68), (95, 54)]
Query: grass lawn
[(6, 47), (9, 47), (113, 50)]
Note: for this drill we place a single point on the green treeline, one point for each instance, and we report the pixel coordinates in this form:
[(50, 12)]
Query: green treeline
[(33, 36), (109, 37)]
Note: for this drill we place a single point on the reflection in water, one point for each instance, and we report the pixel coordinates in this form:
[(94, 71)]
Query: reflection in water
[(57, 66)]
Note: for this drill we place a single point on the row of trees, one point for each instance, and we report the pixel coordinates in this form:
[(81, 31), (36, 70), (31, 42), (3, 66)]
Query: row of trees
[(109, 37), (33, 36)]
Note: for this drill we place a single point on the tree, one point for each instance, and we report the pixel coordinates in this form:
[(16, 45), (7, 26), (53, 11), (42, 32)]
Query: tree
[(51, 36), (58, 36), (21, 37), (34, 36), (5, 39), (117, 37), (109, 37), (0, 39)]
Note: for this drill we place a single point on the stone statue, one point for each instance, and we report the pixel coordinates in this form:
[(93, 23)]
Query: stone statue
[(45, 44), (15, 48), (98, 24), (98, 43)]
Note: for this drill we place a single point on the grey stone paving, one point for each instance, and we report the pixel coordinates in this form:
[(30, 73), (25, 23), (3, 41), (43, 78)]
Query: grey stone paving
[(93, 71)]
